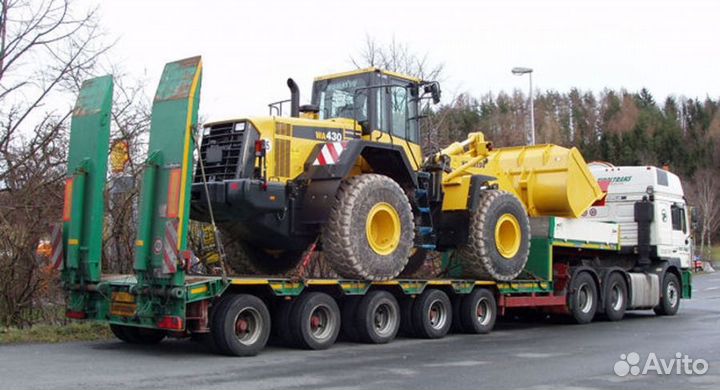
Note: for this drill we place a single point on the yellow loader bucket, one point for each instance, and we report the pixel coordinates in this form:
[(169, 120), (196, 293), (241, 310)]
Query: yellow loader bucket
[(549, 179)]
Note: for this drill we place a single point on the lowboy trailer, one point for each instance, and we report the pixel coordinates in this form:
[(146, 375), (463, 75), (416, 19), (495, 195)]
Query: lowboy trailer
[(582, 267)]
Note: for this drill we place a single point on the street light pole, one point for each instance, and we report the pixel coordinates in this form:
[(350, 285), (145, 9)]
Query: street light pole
[(519, 71)]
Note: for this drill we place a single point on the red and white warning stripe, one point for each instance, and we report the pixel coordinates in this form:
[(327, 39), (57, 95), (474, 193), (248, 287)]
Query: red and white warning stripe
[(330, 153), (56, 238), (170, 247)]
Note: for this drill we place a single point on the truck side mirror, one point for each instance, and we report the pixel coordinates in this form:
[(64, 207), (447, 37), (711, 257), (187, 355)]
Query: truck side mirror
[(694, 220)]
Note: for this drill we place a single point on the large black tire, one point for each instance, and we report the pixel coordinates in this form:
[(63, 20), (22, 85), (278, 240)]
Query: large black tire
[(315, 321), (432, 314), (281, 323), (615, 297), (247, 260), (369, 208), (478, 311), (377, 318), (493, 249), (349, 311), (670, 296), (583, 298), (406, 316), (240, 325), (137, 335)]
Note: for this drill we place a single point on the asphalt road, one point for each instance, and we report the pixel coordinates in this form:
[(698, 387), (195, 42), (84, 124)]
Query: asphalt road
[(517, 354)]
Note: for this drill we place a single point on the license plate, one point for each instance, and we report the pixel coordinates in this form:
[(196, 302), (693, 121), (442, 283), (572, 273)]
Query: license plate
[(123, 304), (124, 297), (123, 309)]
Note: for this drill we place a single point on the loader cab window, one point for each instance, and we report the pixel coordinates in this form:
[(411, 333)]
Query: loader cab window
[(340, 98), (401, 108)]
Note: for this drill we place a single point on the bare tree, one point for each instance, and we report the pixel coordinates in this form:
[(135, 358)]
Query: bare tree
[(46, 48), (397, 57), (705, 190)]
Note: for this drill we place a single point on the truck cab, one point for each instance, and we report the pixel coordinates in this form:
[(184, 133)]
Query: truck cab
[(669, 227)]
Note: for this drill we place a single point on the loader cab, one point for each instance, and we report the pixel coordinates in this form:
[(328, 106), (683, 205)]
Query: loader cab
[(385, 104)]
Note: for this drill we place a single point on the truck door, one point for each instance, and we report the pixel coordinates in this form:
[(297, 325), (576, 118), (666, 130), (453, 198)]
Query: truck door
[(681, 242)]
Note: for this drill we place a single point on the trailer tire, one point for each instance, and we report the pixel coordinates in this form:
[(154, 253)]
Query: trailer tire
[(370, 230), (377, 318), (241, 325), (406, 313), (670, 298), (315, 321), (348, 325), (583, 298), (280, 321), (478, 311), (432, 314), (137, 335), (498, 241), (616, 297)]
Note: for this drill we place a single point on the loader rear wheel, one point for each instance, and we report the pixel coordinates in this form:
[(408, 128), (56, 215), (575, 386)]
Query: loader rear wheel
[(241, 325), (498, 239), (370, 230), (247, 260)]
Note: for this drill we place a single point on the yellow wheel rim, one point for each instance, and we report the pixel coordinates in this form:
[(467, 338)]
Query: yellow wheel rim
[(382, 228), (508, 236)]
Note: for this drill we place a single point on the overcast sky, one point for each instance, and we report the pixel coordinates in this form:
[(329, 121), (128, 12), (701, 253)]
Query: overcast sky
[(249, 48)]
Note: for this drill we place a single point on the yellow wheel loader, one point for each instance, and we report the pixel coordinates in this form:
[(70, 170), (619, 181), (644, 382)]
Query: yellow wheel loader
[(345, 176)]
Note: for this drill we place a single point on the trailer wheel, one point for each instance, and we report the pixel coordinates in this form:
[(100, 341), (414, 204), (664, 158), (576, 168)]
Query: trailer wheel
[(498, 241), (378, 317), (432, 314), (315, 321), (583, 298), (280, 322), (370, 230), (348, 325), (406, 313), (616, 296), (478, 311), (137, 335), (241, 325), (670, 299)]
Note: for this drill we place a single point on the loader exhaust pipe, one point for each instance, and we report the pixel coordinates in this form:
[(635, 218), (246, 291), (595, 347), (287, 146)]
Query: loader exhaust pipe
[(294, 98)]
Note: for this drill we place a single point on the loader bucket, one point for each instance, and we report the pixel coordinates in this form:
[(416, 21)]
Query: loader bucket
[(549, 179)]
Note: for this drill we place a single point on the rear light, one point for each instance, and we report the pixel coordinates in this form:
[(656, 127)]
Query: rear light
[(67, 206), (234, 186), (260, 147), (171, 323), (76, 315), (173, 197)]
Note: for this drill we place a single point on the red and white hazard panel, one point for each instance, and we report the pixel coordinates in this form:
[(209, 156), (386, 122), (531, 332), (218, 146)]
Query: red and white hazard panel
[(170, 247), (56, 238), (330, 153)]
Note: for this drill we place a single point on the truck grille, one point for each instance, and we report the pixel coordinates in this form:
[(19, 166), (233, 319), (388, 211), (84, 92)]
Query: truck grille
[(223, 152)]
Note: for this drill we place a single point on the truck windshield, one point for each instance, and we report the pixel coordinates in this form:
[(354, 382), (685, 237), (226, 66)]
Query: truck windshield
[(339, 98)]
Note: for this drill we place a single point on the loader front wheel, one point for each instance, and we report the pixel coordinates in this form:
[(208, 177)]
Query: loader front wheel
[(498, 239), (247, 260), (370, 230)]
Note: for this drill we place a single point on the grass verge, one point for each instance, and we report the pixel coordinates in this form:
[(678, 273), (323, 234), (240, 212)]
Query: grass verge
[(75, 331)]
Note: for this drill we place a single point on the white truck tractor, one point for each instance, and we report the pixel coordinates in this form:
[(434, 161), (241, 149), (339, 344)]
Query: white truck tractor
[(649, 208)]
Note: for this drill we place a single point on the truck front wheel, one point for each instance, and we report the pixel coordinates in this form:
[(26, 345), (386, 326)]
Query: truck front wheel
[(670, 298)]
